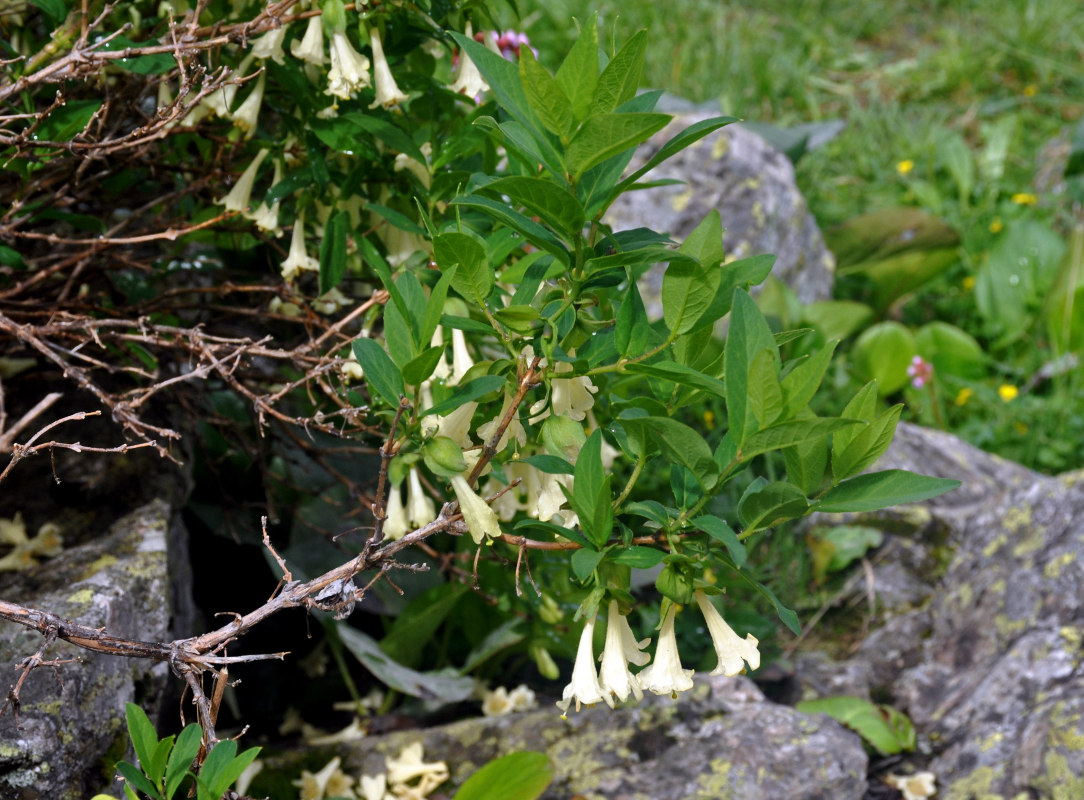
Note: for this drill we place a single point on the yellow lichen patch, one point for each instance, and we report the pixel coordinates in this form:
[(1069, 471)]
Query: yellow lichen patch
[(1032, 542), (1054, 567), (1067, 729), (975, 786), (717, 783), (1016, 518), (680, 201), (720, 147), (81, 597), (1059, 781), (995, 545), (991, 741), (98, 565), (964, 595)]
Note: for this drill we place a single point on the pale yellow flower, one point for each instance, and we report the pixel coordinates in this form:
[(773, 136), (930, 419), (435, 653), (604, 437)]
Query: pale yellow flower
[(349, 69), (240, 195), (904, 167), (1007, 392), (311, 47), (1025, 199), (481, 520), (665, 675), (387, 92), (733, 651), (621, 649)]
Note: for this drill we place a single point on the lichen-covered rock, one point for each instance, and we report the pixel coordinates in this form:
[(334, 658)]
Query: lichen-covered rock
[(991, 667), (721, 740), (752, 186), (71, 724)]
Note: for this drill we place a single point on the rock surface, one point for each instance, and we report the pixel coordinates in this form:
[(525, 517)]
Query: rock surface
[(753, 187), (71, 725)]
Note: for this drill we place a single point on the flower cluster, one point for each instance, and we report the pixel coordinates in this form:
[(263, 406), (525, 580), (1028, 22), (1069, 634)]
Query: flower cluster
[(920, 372), (408, 777), (664, 675)]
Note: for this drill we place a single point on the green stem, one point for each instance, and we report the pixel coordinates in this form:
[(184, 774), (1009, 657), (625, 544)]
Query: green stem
[(641, 462)]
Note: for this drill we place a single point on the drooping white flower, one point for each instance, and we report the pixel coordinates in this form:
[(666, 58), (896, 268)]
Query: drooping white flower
[(396, 524), (349, 68), (248, 113), (481, 520), (270, 45), (420, 509), (621, 648), (374, 788), (572, 397), (409, 767), (401, 244), (311, 47), (267, 217), (442, 370), (240, 195), (298, 259), (514, 430), (733, 651), (584, 686), (461, 360), (665, 675), (468, 80), (404, 161), (551, 498), (456, 425), (387, 92)]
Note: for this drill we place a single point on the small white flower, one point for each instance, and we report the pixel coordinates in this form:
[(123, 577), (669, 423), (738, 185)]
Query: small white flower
[(420, 509), (240, 195), (572, 397), (316, 786), (914, 787), (461, 360), (409, 766), (248, 113), (349, 68), (311, 47), (665, 675), (731, 649), (298, 259), (480, 518), (468, 80), (551, 498), (387, 92), (621, 648), (396, 524), (267, 217), (374, 788), (330, 302), (584, 686), (501, 702), (270, 45)]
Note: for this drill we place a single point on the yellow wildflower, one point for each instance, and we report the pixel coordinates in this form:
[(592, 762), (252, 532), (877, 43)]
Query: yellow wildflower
[(996, 225), (1007, 392), (968, 283), (1031, 90), (1025, 199), (904, 167), (963, 396)]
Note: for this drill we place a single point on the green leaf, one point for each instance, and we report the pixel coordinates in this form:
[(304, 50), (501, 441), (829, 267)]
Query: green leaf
[(687, 288), (775, 503), (555, 206), (136, 778), (416, 624), (680, 444), (578, 74), (471, 390), (155, 769), (806, 464), (868, 446), (502, 77), (735, 275), (765, 395), (434, 307), (142, 733), (748, 336), (11, 258), (392, 135), (862, 406), (877, 490), (473, 277), (786, 615), (621, 77), (56, 9), (591, 492), (887, 730), (156, 64), (705, 244), (882, 353), (637, 557), (184, 752), (721, 532), (649, 509), (951, 350), (222, 768), (530, 230), (445, 685), (631, 322), (503, 636), (553, 529), (517, 776), (530, 148), (333, 251), (419, 369), (584, 562), (401, 331), (546, 97), (551, 465), (606, 135), (801, 383), (792, 432), (398, 220), (691, 134), (66, 121), (380, 373), (681, 374)]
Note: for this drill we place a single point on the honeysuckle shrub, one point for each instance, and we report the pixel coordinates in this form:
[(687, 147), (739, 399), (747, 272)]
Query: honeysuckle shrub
[(410, 207)]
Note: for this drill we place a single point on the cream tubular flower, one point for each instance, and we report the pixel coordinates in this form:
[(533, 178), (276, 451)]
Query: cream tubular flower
[(420, 509), (514, 430), (248, 113), (481, 520), (396, 524), (461, 360), (914, 787), (387, 92), (572, 397), (349, 68), (551, 498), (665, 675), (298, 259), (409, 766), (311, 47), (456, 425), (621, 647), (401, 245), (267, 217), (442, 371), (374, 788), (731, 649), (240, 195), (584, 686), (468, 79), (315, 786), (270, 45)]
